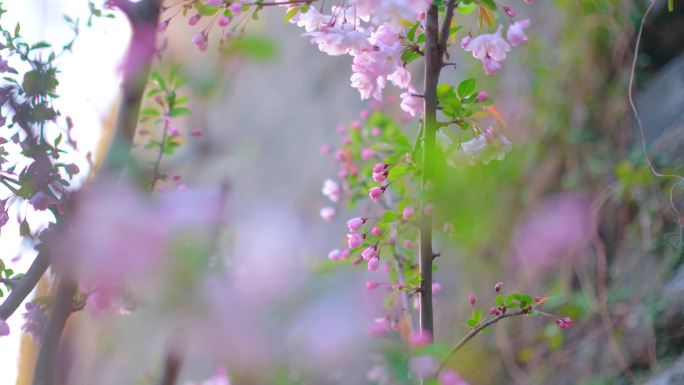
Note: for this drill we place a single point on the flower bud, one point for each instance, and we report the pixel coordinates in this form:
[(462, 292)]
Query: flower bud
[(376, 231), (334, 255), (370, 285), (194, 19), (472, 298), (376, 193), (355, 240), (355, 224), (373, 263), (509, 12), (379, 167), (223, 21), (328, 214), (498, 286), (369, 253), (482, 96), (495, 311), (408, 212)]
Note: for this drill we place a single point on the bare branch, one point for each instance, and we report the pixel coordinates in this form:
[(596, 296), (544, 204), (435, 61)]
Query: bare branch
[(475, 331), (23, 287)]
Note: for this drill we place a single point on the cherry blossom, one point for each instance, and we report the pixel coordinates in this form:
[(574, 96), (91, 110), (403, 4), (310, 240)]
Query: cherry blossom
[(516, 32)]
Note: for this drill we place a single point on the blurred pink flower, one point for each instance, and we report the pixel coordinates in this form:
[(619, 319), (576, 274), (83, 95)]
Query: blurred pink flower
[(557, 229), (4, 328)]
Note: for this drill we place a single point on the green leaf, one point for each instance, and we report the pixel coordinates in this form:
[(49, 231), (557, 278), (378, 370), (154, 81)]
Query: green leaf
[(499, 301), (252, 47), (179, 111), (411, 34), (466, 88), (291, 13), (489, 3), (389, 216), (156, 76), (408, 55), (670, 5), (149, 112)]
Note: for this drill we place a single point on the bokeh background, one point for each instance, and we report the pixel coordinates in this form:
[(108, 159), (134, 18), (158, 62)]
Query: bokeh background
[(574, 211)]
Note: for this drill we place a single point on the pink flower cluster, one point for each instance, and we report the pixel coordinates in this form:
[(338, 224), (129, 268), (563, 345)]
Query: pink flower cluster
[(376, 51), (491, 48)]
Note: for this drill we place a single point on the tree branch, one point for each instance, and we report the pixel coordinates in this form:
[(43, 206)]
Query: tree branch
[(446, 26), (171, 369), (475, 331), (144, 16), (49, 344), (433, 67), (23, 287)]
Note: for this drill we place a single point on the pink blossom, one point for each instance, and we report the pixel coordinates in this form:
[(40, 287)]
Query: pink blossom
[(490, 49), (486, 147), (194, 19), (4, 328), (436, 288), (331, 189), (370, 285), (379, 327), (516, 32), (364, 114), (375, 193), (564, 323), (379, 167), (408, 212), (450, 377), (424, 366), (213, 2), (376, 231), (466, 40), (328, 214), (223, 21), (510, 13), (419, 338), (380, 176), (200, 41), (555, 231), (380, 10), (472, 298), (482, 96), (236, 7), (355, 224), (367, 153), (355, 240), (495, 311), (373, 263), (369, 253), (376, 132), (400, 78), (498, 286), (335, 255), (411, 103), (408, 244)]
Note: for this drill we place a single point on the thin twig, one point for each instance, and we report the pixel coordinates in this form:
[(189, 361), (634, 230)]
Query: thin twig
[(632, 104), (475, 331), (405, 304)]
